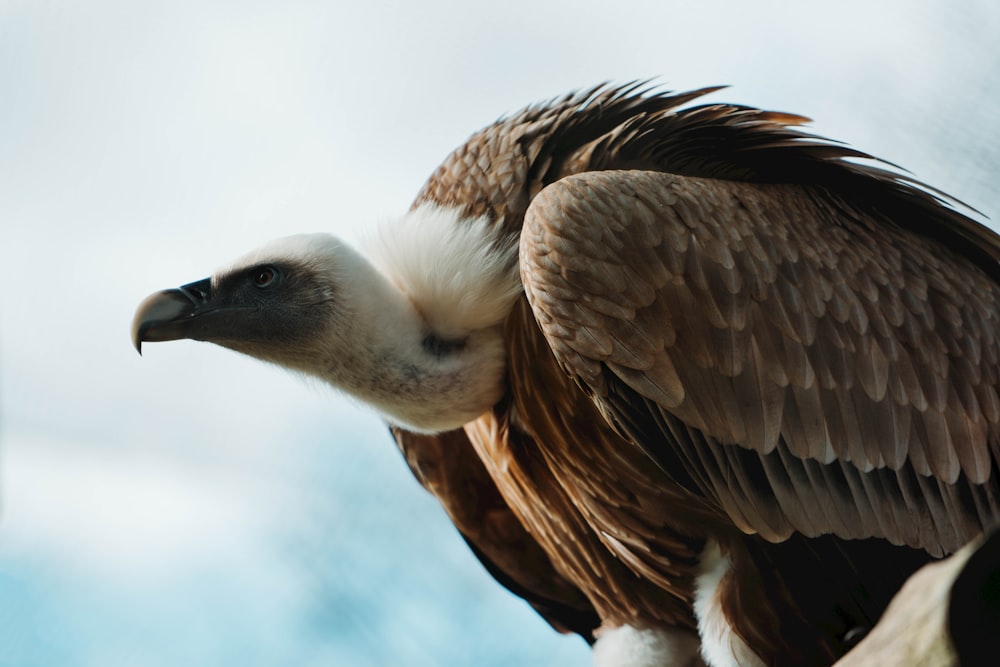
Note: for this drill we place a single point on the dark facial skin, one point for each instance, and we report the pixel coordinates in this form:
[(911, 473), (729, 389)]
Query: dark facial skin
[(257, 310)]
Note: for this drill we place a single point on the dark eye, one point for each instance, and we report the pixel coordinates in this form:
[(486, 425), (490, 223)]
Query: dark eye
[(265, 276)]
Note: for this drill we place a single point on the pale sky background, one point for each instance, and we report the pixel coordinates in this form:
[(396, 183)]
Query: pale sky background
[(194, 507)]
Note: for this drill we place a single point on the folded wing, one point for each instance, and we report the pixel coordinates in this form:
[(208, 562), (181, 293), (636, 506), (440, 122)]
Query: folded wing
[(809, 365)]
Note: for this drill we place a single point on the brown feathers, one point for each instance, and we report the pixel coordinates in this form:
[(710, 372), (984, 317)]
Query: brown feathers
[(734, 327)]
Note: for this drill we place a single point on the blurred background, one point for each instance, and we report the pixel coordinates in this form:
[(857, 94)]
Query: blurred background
[(193, 507)]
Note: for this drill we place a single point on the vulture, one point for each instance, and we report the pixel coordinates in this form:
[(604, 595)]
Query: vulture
[(699, 385)]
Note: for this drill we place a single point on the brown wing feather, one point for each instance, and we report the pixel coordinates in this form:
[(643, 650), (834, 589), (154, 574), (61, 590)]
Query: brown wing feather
[(829, 358), (448, 467), (632, 546)]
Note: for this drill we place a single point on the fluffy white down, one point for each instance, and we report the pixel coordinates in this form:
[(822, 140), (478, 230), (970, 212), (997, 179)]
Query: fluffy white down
[(720, 646), (629, 646), (461, 274)]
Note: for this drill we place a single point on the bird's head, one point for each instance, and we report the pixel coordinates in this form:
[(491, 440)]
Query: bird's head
[(314, 305), (279, 303)]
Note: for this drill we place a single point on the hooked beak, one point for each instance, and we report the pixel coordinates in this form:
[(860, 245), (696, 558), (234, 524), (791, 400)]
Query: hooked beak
[(168, 314)]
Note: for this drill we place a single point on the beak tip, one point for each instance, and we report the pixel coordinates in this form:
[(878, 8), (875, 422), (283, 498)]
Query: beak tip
[(138, 331)]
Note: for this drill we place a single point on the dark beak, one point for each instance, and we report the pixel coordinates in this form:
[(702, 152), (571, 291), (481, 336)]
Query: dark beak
[(168, 315)]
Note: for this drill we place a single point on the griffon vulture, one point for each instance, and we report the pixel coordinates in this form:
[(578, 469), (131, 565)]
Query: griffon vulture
[(687, 378)]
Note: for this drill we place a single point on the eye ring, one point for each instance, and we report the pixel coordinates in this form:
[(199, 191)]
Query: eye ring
[(264, 277)]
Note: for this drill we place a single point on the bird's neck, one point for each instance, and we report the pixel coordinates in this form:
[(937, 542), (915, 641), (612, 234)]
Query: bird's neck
[(425, 328)]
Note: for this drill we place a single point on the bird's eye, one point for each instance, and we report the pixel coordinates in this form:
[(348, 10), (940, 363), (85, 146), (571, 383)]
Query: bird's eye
[(265, 276)]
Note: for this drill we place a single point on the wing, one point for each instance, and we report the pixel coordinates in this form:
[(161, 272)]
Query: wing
[(446, 465), (809, 365)]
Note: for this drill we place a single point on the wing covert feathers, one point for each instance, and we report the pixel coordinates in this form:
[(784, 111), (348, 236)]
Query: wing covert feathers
[(809, 365)]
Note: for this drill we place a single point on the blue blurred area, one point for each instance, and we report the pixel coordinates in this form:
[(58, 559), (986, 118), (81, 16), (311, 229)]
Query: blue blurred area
[(356, 565)]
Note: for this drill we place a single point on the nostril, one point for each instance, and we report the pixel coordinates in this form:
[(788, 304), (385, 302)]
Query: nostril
[(197, 292)]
